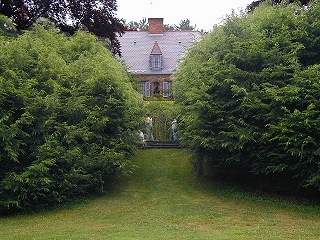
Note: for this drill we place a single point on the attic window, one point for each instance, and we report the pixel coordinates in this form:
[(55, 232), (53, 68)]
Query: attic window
[(156, 62), (155, 57)]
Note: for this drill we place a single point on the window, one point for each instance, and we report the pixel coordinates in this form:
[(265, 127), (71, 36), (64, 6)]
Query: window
[(156, 62), (155, 57), (144, 88), (166, 89)]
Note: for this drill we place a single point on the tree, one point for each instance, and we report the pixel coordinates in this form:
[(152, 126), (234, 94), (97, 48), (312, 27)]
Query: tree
[(68, 118), (69, 15), (169, 27), (142, 25), (256, 4), (250, 97), (7, 29), (184, 25)]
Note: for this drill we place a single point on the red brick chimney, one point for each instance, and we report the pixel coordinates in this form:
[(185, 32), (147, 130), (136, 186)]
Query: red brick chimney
[(155, 25)]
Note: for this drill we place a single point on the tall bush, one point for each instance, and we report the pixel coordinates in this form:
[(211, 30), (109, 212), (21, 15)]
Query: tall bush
[(250, 94), (68, 118)]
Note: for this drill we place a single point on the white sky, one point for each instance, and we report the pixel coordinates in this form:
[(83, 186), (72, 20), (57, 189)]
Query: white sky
[(202, 13)]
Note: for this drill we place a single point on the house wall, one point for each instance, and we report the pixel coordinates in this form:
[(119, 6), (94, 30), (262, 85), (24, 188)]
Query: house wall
[(140, 50), (155, 80)]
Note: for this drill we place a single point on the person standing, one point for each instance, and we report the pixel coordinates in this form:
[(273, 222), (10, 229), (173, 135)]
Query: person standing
[(149, 127), (174, 125)]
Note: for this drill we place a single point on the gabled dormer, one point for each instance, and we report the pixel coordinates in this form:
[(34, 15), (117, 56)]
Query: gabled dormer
[(155, 58)]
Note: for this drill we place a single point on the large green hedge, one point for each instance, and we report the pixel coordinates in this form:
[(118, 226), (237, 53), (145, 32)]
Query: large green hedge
[(68, 118), (250, 94)]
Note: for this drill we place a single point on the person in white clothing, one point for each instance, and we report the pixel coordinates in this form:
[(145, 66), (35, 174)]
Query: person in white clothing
[(149, 127), (174, 125)]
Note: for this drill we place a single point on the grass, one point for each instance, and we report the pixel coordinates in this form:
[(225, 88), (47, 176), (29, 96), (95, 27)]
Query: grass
[(163, 199)]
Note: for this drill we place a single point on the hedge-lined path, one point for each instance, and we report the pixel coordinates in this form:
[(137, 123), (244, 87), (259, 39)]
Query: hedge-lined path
[(163, 199)]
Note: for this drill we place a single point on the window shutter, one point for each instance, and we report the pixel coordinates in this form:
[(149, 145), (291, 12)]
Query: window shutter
[(147, 89), (166, 89), (150, 62), (161, 62)]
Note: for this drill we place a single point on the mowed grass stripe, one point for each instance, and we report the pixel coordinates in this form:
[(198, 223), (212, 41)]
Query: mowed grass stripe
[(164, 199)]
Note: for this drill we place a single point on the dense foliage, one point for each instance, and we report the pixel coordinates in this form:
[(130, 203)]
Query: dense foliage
[(98, 16), (252, 6), (7, 29), (250, 94), (68, 118), (162, 113)]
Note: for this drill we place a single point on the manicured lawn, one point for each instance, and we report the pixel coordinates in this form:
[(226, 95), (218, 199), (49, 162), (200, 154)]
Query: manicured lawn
[(163, 199)]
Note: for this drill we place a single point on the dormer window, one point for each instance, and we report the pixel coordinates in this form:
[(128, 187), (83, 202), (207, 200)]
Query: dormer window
[(156, 62), (155, 58)]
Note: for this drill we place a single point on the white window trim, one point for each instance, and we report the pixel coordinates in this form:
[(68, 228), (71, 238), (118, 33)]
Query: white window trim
[(166, 86)]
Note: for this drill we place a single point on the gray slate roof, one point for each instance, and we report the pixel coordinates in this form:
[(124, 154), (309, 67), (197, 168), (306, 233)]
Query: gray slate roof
[(136, 47)]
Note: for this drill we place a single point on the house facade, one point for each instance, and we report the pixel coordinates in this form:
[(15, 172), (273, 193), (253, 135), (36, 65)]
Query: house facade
[(152, 56)]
